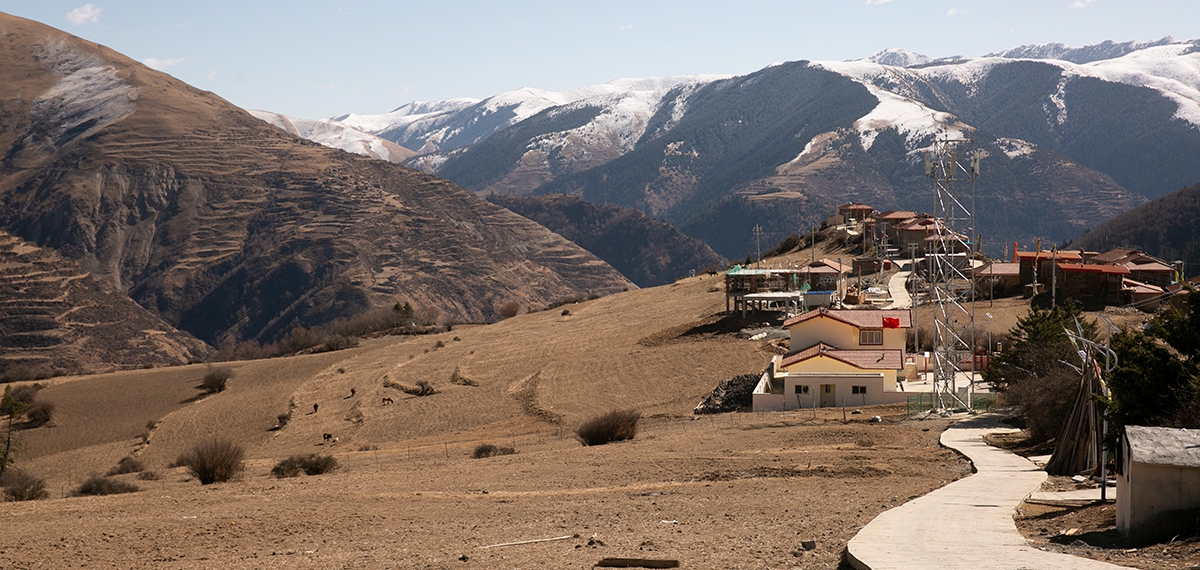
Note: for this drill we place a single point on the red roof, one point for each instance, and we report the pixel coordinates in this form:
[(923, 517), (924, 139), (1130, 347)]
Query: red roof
[(1107, 269), (861, 318), (877, 359), (1046, 254)]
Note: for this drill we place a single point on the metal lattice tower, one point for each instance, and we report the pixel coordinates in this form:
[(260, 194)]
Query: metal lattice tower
[(953, 165)]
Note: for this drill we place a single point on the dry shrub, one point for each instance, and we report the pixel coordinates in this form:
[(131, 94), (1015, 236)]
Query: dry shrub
[(40, 413), (149, 475), (283, 419), (22, 371), (617, 425), (127, 465), (311, 464), (509, 310), (26, 393), (566, 312), (20, 485), (865, 442), (427, 316), (1044, 402), (488, 450), (457, 378), (423, 388), (368, 447), (105, 486), (215, 379), (215, 461)]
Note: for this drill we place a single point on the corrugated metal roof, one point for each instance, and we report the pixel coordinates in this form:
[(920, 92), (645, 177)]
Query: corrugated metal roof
[(1163, 446)]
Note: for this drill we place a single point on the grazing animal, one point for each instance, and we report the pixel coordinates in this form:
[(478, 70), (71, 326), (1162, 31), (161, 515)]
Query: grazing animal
[(328, 436), (387, 400), (315, 406), (353, 391), (334, 440)]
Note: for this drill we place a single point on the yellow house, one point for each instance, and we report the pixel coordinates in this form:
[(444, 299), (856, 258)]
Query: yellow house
[(824, 376), (850, 328)]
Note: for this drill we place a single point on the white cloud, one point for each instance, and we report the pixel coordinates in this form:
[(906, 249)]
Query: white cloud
[(86, 14), (954, 12), (877, 2), (627, 26), (213, 75), (1077, 4), (161, 64)]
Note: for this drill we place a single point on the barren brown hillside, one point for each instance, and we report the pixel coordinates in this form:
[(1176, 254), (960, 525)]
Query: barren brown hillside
[(232, 229), (728, 491), (56, 317)]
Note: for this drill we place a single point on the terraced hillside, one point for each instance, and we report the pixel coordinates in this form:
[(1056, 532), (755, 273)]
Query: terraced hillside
[(54, 316), (232, 229)]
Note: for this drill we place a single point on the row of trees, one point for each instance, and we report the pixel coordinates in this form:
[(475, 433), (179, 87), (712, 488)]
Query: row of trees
[(1155, 383)]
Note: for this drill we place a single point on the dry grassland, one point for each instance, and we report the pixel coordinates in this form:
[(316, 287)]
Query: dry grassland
[(728, 491)]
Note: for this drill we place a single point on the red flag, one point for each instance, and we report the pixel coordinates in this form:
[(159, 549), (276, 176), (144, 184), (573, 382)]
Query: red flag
[(891, 323)]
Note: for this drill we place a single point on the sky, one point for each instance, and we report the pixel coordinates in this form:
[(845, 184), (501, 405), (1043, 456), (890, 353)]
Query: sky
[(322, 58)]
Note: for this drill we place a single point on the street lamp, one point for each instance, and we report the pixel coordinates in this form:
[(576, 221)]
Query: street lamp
[(989, 316)]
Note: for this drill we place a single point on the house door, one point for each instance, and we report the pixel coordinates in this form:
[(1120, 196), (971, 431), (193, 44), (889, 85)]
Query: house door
[(828, 395)]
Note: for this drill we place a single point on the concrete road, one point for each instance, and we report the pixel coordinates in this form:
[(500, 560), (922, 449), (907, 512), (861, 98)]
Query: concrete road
[(967, 524)]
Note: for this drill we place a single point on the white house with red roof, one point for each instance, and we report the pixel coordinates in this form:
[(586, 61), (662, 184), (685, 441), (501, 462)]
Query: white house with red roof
[(838, 357)]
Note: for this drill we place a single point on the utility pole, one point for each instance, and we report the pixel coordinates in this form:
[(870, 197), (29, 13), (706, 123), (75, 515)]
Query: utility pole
[(758, 243), (1054, 277)]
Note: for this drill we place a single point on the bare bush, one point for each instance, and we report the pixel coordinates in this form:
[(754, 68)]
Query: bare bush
[(485, 450), (509, 310), (283, 419), (127, 464), (22, 371), (311, 464), (215, 379), (105, 486), (214, 461), (617, 425), (149, 475), (1044, 402), (20, 485), (427, 316), (423, 388), (40, 412), (457, 378)]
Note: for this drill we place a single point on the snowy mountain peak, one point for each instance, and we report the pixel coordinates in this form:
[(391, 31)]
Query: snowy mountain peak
[(897, 57), (1085, 54)]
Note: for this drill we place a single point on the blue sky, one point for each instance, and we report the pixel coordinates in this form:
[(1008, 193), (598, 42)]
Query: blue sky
[(323, 58)]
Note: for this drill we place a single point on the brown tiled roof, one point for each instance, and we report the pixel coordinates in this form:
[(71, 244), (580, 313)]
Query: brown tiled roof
[(1148, 265), (1111, 255), (861, 318), (1140, 288), (999, 269), (870, 359), (892, 215)]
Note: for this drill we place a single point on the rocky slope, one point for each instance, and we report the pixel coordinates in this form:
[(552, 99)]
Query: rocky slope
[(1164, 227), (231, 229), (56, 317), (649, 252)]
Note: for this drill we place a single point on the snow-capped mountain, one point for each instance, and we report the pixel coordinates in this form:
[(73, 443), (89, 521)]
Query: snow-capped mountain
[(1073, 135), (1085, 54), (335, 135), (898, 57)]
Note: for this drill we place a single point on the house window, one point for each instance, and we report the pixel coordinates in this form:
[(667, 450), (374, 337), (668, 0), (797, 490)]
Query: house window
[(828, 388), (870, 336), (801, 389), (858, 389)]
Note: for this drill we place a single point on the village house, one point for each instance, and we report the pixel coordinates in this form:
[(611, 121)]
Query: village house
[(1143, 268), (998, 279), (1158, 483), (1035, 265), (1091, 283), (839, 357)]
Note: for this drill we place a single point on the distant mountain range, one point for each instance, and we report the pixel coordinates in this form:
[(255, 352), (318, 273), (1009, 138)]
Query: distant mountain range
[(231, 229), (1072, 136)]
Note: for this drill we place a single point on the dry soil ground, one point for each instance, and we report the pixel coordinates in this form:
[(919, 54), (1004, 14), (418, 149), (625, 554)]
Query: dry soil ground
[(728, 491)]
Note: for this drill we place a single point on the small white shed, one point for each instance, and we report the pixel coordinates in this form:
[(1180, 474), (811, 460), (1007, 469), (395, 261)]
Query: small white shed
[(1158, 488)]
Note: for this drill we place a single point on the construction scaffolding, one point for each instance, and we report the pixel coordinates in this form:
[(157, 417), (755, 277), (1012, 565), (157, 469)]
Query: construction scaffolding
[(951, 280)]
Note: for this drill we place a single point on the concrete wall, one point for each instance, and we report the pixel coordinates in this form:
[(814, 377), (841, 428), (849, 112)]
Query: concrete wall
[(1153, 500), (838, 334)]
